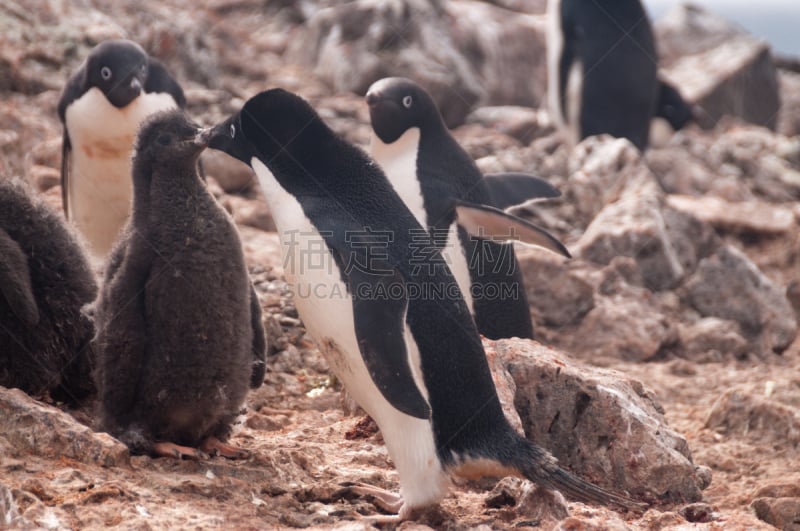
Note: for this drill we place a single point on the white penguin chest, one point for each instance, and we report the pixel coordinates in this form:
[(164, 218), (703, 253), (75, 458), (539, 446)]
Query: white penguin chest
[(102, 138), (399, 162), (326, 309)]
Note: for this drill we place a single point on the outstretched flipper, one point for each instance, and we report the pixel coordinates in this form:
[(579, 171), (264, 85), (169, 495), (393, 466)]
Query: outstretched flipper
[(511, 189), (15, 281), (487, 222)]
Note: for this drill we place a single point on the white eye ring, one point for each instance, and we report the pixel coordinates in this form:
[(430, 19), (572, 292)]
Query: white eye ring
[(407, 101), (105, 73), (233, 131)]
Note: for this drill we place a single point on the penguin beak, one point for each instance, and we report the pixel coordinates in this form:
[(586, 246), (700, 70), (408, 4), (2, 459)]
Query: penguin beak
[(203, 137), (136, 85)]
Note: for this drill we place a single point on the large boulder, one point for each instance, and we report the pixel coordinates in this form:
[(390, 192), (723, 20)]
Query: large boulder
[(354, 44), (744, 217), (634, 226), (729, 286), (601, 425), (35, 428), (462, 52), (740, 412), (507, 50), (557, 293), (718, 66)]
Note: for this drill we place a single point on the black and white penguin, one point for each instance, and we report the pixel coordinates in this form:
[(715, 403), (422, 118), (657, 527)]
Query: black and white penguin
[(45, 280), (179, 336), (602, 64), (434, 175), (101, 109), (383, 306)]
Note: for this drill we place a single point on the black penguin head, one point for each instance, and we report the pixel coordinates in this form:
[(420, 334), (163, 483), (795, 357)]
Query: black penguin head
[(397, 104), (273, 125), (119, 69), (169, 138)]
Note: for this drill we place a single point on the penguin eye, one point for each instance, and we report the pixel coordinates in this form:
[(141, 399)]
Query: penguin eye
[(407, 101), (105, 73), (233, 131), (164, 140)]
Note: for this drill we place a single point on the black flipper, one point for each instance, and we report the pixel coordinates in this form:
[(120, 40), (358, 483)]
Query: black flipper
[(380, 316), (487, 222), (259, 342), (15, 281), (159, 80), (510, 189), (565, 61), (72, 91), (66, 152), (672, 107)]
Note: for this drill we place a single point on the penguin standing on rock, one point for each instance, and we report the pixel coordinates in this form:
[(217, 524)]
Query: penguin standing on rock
[(45, 279), (179, 335), (384, 308), (434, 176), (602, 64), (101, 108)]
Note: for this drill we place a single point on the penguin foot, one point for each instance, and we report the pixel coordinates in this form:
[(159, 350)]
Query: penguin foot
[(214, 446), (176, 451), (386, 500)]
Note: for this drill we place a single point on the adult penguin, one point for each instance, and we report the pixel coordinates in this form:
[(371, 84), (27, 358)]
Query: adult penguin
[(602, 66), (101, 108), (393, 325)]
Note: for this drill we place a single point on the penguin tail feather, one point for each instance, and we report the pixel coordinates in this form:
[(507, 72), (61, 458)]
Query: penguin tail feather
[(537, 465)]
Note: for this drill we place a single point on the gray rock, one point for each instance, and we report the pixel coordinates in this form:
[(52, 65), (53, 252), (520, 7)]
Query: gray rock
[(33, 427), (779, 489), (529, 501), (524, 6), (789, 119), (506, 49), (691, 238), (599, 169), (698, 512), (783, 513), (523, 123), (634, 226), (599, 424), (622, 327), (729, 286), (749, 217), (9, 512), (740, 413), (766, 162), (718, 66), (354, 44), (712, 339), (557, 295)]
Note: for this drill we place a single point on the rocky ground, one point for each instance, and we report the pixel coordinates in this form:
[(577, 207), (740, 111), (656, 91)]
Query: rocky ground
[(667, 363)]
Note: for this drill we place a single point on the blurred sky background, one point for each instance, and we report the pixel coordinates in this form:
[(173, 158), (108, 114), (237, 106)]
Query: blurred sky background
[(777, 21)]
